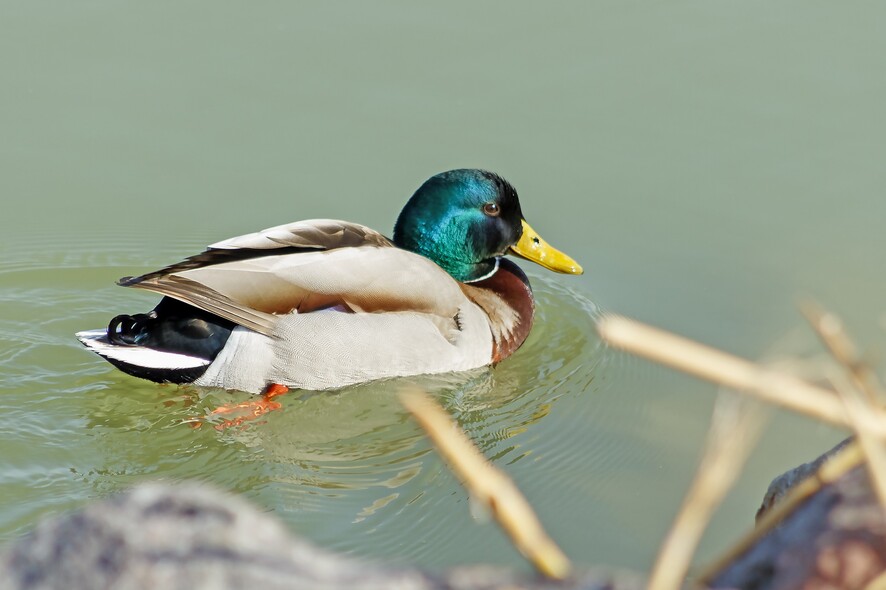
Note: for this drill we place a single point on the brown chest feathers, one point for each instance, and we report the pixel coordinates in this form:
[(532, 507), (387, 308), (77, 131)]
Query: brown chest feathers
[(507, 300)]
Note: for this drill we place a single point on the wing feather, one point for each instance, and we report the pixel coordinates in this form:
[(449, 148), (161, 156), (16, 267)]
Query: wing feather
[(291, 238), (318, 234), (212, 301), (305, 266)]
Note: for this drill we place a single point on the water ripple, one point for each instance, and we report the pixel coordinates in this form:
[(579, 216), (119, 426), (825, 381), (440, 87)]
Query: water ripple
[(348, 468)]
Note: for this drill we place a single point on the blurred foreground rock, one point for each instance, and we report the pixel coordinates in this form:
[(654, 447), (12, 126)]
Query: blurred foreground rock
[(193, 537), (835, 538)]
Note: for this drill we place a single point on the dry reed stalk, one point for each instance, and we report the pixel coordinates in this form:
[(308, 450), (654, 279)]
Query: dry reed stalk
[(736, 373), (865, 417), (489, 486), (878, 583), (850, 409), (860, 396), (829, 328), (727, 370), (735, 427)]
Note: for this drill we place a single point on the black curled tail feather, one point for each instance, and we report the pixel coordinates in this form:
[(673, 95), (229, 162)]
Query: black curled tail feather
[(125, 330), (172, 326)]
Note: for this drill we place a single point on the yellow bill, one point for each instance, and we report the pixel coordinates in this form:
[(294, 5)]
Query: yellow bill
[(532, 247)]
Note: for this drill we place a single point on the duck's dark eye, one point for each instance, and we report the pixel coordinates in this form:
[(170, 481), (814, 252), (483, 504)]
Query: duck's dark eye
[(491, 209)]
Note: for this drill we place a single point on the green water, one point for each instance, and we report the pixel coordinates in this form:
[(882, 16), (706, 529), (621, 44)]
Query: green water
[(707, 162)]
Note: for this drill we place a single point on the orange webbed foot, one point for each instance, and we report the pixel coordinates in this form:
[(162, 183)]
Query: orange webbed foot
[(249, 410)]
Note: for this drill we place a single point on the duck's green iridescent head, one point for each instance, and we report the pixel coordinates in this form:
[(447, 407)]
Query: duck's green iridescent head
[(464, 219)]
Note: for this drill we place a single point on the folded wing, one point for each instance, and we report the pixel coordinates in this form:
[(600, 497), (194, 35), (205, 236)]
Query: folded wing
[(303, 267)]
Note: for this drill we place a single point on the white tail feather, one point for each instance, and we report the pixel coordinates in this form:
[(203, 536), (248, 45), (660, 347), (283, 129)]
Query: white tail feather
[(97, 341)]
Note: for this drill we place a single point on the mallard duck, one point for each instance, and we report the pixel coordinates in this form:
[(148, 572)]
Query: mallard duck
[(322, 304)]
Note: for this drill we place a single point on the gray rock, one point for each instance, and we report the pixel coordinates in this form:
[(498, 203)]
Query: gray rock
[(190, 537)]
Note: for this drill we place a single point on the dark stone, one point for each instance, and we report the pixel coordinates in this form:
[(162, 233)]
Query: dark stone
[(782, 484), (836, 538)]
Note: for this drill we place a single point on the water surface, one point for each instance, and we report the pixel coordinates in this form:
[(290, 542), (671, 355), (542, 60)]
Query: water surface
[(705, 162)]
